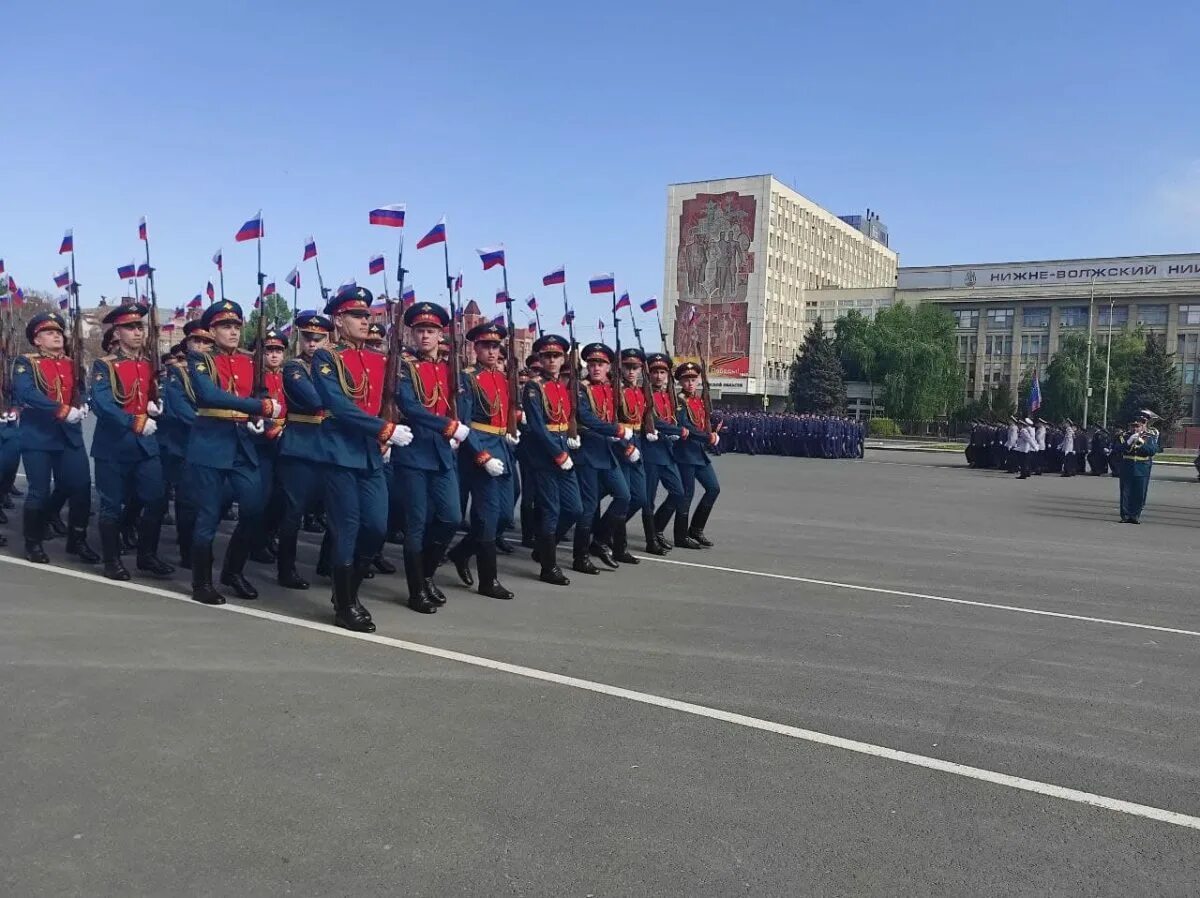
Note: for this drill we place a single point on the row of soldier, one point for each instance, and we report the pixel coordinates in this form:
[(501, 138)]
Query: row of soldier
[(319, 436), (1028, 447), (800, 436)]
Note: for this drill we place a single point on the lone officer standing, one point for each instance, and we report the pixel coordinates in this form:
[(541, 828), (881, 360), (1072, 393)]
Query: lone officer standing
[(1137, 458), (52, 437), (128, 464)]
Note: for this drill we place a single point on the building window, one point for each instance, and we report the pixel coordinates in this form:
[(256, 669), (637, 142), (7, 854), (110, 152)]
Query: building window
[(1035, 349), (1035, 317), (999, 319), (967, 346), (1152, 316), (1187, 315), (1120, 316), (998, 347), (1073, 316), (967, 318)]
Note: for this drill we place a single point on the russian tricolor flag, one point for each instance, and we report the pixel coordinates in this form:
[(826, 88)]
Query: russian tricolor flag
[(310, 249), (389, 216), (491, 256), (375, 265), (501, 297), (64, 301), (650, 305), (68, 243), (531, 301), (169, 327), (557, 276), (62, 278), (251, 230), (499, 319), (18, 297), (436, 235), (458, 283), (293, 278), (196, 302), (623, 302), (143, 270), (408, 297), (568, 318), (603, 283), (142, 228), (217, 260), (127, 272), (212, 294), (270, 290)]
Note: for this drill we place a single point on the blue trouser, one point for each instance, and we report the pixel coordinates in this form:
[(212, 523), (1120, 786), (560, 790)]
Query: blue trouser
[(666, 473), (557, 500), (72, 477), (209, 488), (300, 482), (431, 509), (356, 509), (268, 461), (117, 482), (706, 476), (491, 503), (10, 457), (635, 476), (1134, 486), (594, 485)]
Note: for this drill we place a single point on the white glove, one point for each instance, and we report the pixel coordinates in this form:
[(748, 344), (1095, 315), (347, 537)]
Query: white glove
[(84, 410), (716, 440), (256, 426), (153, 409), (462, 432), (652, 436), (494, 467), (626, 433), (454, 444), (512, 439), (635, 456), (387, 452), (566, 464), (673, 438), (401, 436), (149, 428), (74, 416), (573, 442), (276, 408), (8, 417)]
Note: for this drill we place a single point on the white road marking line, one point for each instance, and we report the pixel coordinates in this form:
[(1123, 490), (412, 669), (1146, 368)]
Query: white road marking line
[(949, 600), (754, 723)]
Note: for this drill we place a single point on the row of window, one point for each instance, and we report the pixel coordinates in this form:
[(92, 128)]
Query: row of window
[(1076, 316)]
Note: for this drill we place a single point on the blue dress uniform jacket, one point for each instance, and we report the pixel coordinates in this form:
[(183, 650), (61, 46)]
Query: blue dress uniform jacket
[(474, 409), (217, 438), (179, 410), (118, 436), (659, 452), (595, 432), (418, 393), (692, 449), (546, 438), (45, 402), (304, 436), (352, 436)]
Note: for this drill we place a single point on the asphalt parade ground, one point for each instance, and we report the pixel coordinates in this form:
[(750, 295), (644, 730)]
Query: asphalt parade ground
[(889, 677)]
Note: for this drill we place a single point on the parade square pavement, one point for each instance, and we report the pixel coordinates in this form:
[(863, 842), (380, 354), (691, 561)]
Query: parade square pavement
[(891, 677)]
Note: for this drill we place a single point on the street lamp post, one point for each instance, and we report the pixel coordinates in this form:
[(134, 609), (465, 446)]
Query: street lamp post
[(1087, 378), (1108, 360)]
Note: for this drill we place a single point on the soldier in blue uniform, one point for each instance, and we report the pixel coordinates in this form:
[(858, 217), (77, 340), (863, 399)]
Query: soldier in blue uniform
[(631, 412), (221, 452), (596, 467), (350, 381), (303, 450), (427, 474), (175, 425), (488, 458), (10, 446), (1138, 448), (267, 445), (547, 406), (659, 460), (124, 399), (691, 454), (52, 408), (532, 369)]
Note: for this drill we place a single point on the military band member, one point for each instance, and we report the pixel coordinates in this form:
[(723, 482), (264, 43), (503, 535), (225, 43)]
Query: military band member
[(631, 411), (547, 406), (484, 402), (658, 459), (52, 437), (691, 455), (1138, 448), (222, 453), (303, 451), (427, 475), (596, 466), (349, 378), (124, 397)]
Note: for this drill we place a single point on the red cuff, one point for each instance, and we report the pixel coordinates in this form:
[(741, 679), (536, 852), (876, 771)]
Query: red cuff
[(559, 459), (266, 408), (386, 432), (274, 433), (450, 428), (483, 458), (712, 439), (630, 449), (683, 433), (139, 423), (63, 411)]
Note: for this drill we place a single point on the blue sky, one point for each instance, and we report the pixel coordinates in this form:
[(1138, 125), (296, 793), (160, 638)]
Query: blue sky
[(980, 133)]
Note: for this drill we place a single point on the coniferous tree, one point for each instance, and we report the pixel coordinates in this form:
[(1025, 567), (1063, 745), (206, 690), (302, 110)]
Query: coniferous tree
[(1154, 385), (818, 385)]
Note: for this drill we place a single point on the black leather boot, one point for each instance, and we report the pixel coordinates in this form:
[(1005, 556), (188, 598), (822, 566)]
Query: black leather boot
[(202, 585), (652, 544), (489, 582), (236, 554), (185, 526), (382, 565), (414, 574), (546, 552), (620, 537), (606, 555), (662, 518), (346, 613), (110, 548), (460, 557), (434, 552), (312, 524), (323, 566), (286, 573), (149, 531), (55, 526), (682, 540), (34, 527), (503, 546), (362, 565), (699, 519), (77, 545), (579, 560)]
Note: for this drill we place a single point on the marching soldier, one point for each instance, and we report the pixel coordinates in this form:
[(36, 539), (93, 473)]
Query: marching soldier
[(596, 466), (267, 445), (376, 337), (124, 446), (532, 370), (175, 423), (1138, 449), (222, 454), (52, 437), (546, 403), (631, 408), (484, 401), (691, 454), (303, 451), (349, 378), (427, 475), (10, 446), (658, 460)]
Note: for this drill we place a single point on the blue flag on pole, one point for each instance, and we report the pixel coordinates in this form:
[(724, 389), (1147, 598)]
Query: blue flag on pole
[(1035, 394)]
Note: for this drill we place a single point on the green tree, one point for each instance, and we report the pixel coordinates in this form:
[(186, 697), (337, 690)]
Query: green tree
[(851, 343), (1063, 383), (1154, 384), (279, 313), (1002, 402), (817, 383), (915, 361)]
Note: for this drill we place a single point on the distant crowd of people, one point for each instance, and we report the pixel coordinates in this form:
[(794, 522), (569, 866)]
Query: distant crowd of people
[(803, 436), (1028, 447)]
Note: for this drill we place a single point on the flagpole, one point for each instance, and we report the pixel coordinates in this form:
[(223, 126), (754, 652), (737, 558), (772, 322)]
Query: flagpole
[(450, 301), (320, 280), (662, 333), (616, 319), (153, 295), (568, 316), (221, 275), (537, 316), (637, 331), (385, 287), (400, 272)]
